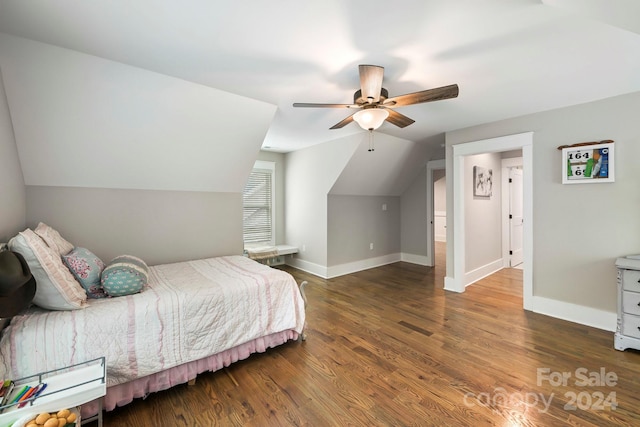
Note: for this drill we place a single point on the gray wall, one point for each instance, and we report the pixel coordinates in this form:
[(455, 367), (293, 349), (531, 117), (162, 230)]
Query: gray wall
[(334, 197), (413, 216), (579, 230), (310, 174), (483, 215), (440, 190), (356, 221), (413, 202), (157, 226), (12, 190)]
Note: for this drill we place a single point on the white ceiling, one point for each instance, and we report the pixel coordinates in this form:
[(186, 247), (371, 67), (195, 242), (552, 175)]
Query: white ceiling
[(509, 57)]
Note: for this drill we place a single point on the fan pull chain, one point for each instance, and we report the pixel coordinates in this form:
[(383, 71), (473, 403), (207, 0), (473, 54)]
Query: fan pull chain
[(371, 140)]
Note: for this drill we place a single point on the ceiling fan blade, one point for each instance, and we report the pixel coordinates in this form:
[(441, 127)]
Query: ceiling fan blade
[(304, 104), (343, 123), (437, 94), (398, 119), (371, 82)]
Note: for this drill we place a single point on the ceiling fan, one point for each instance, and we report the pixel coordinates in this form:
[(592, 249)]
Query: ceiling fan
[(374, 105)]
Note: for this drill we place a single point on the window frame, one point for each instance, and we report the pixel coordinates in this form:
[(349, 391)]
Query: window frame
[(270, 168)]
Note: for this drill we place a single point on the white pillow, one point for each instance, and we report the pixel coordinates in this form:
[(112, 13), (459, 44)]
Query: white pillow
[(53, 239), (56, 288)]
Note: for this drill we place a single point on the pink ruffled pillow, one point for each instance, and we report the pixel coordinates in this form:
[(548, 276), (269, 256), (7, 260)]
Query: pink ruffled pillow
[(56, 288), (53, 239)]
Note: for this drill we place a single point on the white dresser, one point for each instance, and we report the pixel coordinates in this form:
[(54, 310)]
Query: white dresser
[(628, 329)]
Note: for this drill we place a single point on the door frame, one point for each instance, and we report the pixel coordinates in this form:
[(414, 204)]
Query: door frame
[(431, 238), (506, 230), (455, 279)]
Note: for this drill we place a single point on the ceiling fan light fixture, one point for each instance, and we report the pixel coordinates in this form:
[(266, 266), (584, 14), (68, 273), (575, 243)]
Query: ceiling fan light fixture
[(371, 118), (373, 100)]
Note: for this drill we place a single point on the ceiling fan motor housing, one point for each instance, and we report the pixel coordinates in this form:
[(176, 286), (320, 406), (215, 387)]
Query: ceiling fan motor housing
[(374, 104), (359, 100)]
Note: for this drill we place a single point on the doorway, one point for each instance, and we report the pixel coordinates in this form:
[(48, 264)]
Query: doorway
[(512, 212), (455, 279), (440, 216), (435, 170), (515, 217)]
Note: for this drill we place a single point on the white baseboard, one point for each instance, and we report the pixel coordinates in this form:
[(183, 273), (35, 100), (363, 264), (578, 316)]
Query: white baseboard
[(482, 272), (575, 313), (354, 267), (415, 259), (365, 264), (309, 267)]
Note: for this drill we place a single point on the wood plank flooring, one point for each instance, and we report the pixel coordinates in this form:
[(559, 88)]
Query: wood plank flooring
[(389, 347)]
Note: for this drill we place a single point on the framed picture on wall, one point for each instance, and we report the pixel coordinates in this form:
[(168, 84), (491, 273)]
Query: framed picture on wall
[(482, 181), (588, 164)]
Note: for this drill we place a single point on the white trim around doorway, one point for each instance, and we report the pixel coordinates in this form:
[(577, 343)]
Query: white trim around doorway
[(431, 166), (456, 280)]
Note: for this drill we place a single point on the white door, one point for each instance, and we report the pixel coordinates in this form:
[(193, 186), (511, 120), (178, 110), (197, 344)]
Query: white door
[(515, 216)]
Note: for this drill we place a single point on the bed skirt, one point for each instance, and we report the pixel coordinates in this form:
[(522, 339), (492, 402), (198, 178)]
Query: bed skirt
[(122, 394)]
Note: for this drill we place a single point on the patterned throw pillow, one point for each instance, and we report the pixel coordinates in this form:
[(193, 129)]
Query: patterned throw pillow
[(87, 269), (125, 275)]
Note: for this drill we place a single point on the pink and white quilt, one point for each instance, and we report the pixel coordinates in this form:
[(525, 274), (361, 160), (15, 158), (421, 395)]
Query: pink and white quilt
[(189, 311)]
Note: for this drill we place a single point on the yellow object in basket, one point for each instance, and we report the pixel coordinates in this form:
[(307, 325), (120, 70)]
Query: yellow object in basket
[(51, 422), (59, 419), (42, 418), (63, 413)]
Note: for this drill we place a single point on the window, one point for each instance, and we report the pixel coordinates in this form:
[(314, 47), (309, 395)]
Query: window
[(257, 205)]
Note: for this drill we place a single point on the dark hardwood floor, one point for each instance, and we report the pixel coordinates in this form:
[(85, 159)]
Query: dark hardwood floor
[(389, 347)]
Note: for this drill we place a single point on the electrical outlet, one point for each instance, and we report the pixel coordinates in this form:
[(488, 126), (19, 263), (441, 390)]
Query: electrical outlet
[(304, 248), (384, 206), (370, 246)]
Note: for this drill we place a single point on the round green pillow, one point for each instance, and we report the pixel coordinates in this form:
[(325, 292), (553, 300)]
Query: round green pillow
[(124, 275)]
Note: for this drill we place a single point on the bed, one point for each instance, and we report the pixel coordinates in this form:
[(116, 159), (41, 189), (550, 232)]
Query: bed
[(190, 317)]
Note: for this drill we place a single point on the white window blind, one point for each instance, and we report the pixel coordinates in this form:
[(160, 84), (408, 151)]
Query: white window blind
[(257, 201)]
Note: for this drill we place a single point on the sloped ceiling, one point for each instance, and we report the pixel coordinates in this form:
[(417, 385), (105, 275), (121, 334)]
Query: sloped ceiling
[(386, 171), (509, 57), (83, 121)]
